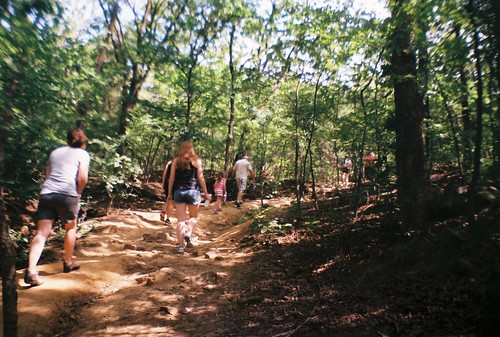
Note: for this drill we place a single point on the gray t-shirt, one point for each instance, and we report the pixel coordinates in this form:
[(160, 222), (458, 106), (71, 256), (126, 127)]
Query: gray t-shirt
[(64, 162), (242, 167)]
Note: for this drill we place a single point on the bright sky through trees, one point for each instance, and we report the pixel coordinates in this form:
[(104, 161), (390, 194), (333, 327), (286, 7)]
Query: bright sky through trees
[(83, 12)]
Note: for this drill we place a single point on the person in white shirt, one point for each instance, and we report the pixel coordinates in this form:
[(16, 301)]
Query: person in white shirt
[(66, 176), (240, 171)]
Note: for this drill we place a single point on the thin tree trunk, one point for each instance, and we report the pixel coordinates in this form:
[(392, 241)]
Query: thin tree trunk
[(298, 193), (479, 120), (309, 142), (190, 100), (314, 193), (451, 119), (109, 36), (494, 123), (230, 126), (495, 4), (359, 175), (468, 128)]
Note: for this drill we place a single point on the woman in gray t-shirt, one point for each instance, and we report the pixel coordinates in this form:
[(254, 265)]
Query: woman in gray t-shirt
[(65, 178)]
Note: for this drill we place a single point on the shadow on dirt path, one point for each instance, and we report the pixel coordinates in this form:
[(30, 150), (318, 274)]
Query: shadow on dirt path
[(133, 284)]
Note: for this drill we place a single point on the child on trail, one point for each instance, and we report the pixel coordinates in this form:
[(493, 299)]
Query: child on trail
[(220, 191)]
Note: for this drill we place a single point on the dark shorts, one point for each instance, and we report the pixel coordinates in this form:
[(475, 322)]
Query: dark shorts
[(187, 197), (52, 205)]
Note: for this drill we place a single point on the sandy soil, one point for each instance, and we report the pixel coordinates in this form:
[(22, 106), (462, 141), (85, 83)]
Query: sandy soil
[(132, 283)]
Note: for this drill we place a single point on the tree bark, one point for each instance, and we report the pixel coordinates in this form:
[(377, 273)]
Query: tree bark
[(9, 285), (230, 126), (476, 172), (410, 158), (298, 193), (7, 247), (467, 125), (495, 4)]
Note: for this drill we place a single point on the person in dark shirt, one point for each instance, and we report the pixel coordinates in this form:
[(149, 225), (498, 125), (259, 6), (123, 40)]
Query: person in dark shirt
[(186, 178)]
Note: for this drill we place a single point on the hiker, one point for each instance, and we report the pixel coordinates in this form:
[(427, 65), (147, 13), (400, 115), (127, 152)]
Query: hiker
[(369, 166), (240, 171), (186, 176), (346, 167), (168, 206), (66, 175), (220, 191)]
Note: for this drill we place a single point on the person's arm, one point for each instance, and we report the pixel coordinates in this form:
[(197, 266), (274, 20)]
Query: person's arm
[(83, 177), (47, 171), (164, 175), (172, 178), (201, 180)]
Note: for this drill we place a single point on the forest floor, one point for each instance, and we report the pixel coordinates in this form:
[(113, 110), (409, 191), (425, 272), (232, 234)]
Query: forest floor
[(250, 273)]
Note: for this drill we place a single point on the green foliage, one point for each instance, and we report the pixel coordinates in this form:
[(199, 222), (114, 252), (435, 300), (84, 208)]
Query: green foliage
[(116, 173), (338, 59), (21, 242)]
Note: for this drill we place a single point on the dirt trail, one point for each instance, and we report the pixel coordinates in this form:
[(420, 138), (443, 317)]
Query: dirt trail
[(133, 284)]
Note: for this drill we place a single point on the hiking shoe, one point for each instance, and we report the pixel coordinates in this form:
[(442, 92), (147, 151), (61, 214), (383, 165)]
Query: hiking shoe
[(238, 204), (179, 249), (33, 280), (167, 222), (68, 267), (189, 244)]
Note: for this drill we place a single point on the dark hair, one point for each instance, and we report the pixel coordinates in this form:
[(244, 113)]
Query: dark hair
[(76, 138)]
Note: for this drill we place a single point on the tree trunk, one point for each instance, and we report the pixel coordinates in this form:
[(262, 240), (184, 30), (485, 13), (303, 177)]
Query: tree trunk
[(9, 285), (298, 193), (190, 100), (451, 119), (496, 9), (309, 144), (468, 128), (476, 172), (7, 247), (410, 159), (230, 126)]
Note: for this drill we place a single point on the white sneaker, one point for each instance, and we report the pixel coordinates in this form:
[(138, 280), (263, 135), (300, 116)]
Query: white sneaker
[(179, 249)]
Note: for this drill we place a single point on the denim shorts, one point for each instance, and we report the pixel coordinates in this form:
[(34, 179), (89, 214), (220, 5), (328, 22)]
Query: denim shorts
[(187, 197), (52, 205)]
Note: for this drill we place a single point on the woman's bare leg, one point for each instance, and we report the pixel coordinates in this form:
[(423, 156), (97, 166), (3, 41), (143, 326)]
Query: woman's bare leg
[(36, 248)]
